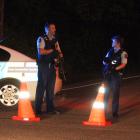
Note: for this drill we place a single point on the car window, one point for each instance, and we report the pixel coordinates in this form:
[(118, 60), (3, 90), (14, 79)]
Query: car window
[(4, 55)]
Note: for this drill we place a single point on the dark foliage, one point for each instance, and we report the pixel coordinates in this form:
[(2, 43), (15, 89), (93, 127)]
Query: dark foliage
[(84, 28)]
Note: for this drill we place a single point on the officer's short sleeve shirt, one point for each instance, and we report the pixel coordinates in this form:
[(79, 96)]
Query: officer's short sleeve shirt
[(40, 43), (124, 57)]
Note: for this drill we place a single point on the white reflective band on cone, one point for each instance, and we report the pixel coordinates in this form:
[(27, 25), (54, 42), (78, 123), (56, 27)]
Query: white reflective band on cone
[(101, 89), (98, 105), (24, 95), (26, 119)]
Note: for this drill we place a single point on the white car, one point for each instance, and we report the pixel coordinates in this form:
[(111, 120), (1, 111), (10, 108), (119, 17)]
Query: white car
[(14, 68)]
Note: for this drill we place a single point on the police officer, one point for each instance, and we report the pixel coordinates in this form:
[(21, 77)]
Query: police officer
[(114, 63), (47, 48)]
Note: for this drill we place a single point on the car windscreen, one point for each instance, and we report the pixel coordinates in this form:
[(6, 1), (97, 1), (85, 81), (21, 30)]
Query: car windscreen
[(4, 55)]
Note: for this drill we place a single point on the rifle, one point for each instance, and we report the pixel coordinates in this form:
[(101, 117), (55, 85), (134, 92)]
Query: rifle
[(109, 67), (60, 65)]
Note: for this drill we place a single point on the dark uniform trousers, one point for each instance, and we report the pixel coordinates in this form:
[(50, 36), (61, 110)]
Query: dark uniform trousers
[(113, 82), (46, 83)]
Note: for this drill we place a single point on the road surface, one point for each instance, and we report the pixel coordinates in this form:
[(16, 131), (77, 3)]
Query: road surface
[(75, 106)]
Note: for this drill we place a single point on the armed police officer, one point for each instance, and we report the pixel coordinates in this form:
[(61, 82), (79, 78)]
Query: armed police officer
[(114, 63), (48, 49)]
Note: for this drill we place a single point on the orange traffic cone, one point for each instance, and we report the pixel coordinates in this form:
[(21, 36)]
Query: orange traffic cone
[(97, 116), (25, 110)]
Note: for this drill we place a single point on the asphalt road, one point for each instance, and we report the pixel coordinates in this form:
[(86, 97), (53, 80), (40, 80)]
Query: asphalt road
[(75, 106)]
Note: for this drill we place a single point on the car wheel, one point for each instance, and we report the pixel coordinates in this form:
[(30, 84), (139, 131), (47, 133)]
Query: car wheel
[(9, 93)]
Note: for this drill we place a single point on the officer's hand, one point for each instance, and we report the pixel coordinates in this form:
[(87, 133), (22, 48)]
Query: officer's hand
[(107, 60), (50, 50)]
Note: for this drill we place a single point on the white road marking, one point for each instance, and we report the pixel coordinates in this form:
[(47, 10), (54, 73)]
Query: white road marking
[(93, 84)]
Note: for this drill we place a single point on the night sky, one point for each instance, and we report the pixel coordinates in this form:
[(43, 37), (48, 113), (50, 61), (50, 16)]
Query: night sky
[(84, 29)]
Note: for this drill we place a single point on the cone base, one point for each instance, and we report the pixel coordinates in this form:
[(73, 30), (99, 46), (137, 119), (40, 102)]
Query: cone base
[(107, 123), (17, 118)]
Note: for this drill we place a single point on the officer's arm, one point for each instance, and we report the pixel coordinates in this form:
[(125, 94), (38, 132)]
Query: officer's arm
[(106, 59), (45, 51), (121, 66), (124, 59), (41, 46)]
